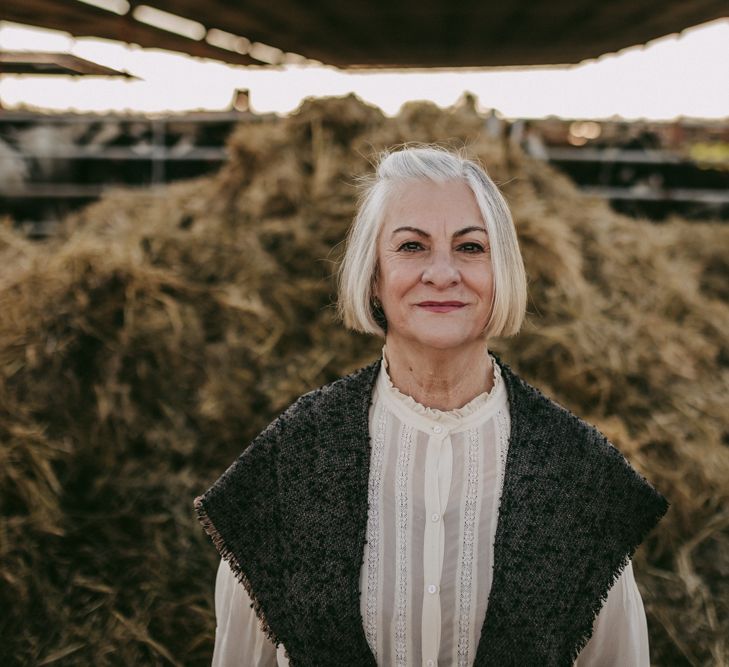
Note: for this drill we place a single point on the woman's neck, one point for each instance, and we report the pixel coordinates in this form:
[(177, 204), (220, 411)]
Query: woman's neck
[(440, 379)]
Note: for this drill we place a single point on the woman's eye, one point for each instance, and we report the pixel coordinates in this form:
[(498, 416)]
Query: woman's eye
[(471, 247), (411, 246)]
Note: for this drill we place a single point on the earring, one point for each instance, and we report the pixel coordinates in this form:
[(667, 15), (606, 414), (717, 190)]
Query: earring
[(379, 314)]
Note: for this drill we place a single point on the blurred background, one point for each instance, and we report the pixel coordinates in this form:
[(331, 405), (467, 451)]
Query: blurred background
[(175, 183)]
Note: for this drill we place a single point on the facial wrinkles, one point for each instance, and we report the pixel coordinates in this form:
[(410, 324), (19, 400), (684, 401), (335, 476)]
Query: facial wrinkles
[(438, 260), (440, 250)]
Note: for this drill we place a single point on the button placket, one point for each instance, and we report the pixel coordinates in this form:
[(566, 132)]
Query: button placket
[(437, 486)]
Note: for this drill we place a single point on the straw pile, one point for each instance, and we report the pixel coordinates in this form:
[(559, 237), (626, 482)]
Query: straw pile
[(143, 347)]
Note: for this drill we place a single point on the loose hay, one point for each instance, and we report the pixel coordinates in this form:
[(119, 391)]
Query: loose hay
[(143, 347)]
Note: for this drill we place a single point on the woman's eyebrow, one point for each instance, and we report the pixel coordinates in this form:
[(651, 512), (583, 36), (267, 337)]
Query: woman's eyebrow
[(424, 234), (468, 230), (419, 232)]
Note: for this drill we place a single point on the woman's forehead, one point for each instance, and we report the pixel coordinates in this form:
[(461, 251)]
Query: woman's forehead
[(432, 205)]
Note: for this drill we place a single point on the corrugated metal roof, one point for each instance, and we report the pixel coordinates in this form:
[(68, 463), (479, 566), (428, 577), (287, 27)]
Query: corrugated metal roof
[(394, 33), (23, 62)]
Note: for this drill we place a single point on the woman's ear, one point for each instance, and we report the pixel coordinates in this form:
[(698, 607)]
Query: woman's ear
[(375, 289), (375, 302), (377, 311)]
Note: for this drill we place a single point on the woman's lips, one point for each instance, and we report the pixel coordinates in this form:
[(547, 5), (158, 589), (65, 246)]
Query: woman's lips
[(440, 306)]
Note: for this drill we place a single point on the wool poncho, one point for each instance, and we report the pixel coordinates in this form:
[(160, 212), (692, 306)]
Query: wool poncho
[(572, 512)]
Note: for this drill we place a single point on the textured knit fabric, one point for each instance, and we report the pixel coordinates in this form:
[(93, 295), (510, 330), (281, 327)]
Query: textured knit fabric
[(290, 516), (619, 639)]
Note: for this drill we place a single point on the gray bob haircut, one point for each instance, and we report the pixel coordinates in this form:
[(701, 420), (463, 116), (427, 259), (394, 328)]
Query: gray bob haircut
[(359, 268)]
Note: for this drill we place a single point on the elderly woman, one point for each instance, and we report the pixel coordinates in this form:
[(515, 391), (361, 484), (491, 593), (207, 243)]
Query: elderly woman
[(432, 508)]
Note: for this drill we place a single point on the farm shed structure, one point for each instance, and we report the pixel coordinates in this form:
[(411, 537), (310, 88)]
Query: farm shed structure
[(380, 33)]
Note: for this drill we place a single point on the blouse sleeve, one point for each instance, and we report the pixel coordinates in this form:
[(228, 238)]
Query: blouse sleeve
[(239, 640), (620, 631)]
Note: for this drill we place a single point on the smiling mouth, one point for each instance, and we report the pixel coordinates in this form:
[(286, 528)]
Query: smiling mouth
[(440, 306)]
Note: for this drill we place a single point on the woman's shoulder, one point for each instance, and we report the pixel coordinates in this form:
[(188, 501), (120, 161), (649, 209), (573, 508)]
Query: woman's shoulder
[(570, 444), (346, 398), (545, 414), (331, 413)]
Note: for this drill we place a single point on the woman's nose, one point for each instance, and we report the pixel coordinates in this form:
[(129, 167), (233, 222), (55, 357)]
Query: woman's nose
[(441, 271)]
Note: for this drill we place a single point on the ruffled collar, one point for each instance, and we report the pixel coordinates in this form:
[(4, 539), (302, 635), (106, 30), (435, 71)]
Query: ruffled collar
[(478, 409)]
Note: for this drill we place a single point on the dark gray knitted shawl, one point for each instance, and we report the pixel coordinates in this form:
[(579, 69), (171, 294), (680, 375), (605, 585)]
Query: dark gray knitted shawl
[(290, 516)]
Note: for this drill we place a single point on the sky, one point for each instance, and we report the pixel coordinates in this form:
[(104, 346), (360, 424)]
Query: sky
[(684, 75)]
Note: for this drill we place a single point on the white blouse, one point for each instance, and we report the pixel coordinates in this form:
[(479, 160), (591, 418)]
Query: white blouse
[(434, 485)]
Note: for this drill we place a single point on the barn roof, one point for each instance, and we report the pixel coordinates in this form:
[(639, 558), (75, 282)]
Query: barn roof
[(385, 33), (42, 62)]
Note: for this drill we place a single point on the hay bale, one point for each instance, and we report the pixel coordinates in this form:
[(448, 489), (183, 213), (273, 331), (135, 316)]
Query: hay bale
[(143, 347)]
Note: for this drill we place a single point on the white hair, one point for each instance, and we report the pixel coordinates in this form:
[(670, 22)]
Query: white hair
[(359, 268)]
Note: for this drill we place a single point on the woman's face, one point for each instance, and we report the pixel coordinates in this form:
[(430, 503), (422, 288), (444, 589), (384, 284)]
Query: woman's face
[(435, 279)]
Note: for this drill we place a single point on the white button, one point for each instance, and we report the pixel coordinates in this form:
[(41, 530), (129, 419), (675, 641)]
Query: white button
[(432, 589), (430, 663), (435, 516), (437, 429)]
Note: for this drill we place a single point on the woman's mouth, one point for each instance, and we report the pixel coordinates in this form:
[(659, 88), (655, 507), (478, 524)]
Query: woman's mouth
[(440, 306)]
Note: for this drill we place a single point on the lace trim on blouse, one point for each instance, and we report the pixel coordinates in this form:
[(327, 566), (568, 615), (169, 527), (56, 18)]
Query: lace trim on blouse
[(469, 527), (373, 532), (457, 415), (403, 502)]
